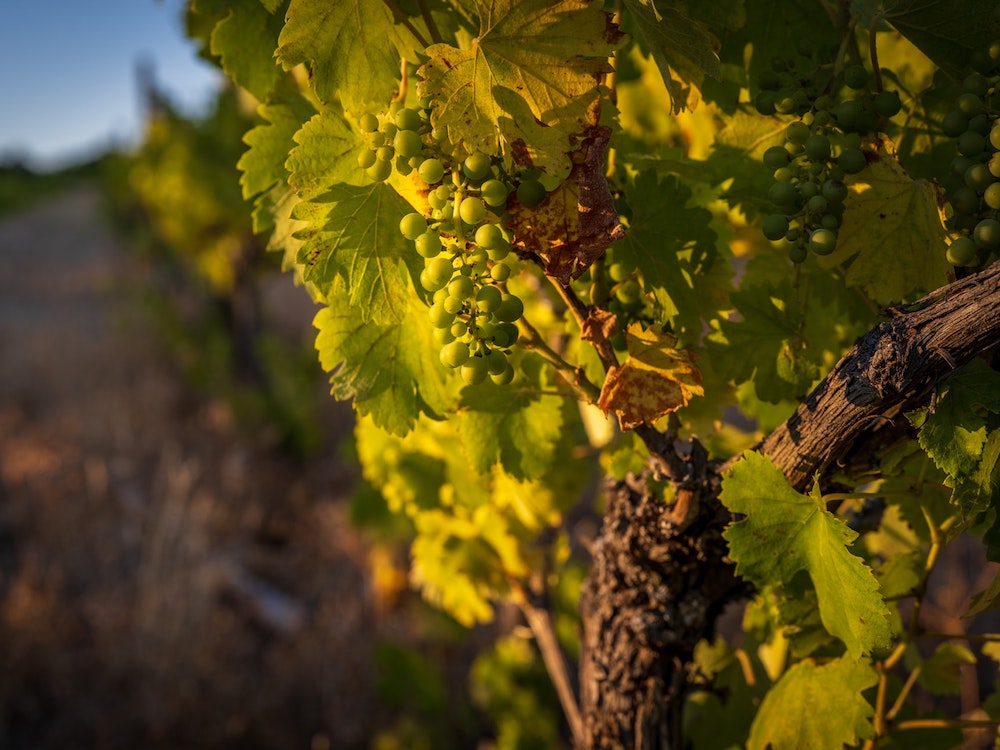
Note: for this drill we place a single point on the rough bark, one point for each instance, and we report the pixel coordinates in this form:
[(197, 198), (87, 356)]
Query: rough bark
[(660, 573)]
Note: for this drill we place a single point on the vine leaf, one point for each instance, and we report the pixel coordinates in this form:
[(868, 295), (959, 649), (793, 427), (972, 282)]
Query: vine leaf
[(327, 153), (352, 47), (578, 220), (816, 706), (785, 532), (893, 232), (244, 41), (552, 55), (515, 428), (390, 371), (680, 45), (353, 233), (655, 380)]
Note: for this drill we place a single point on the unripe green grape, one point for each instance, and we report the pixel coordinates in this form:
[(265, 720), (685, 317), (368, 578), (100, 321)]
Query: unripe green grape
[(430, 283), (496, 361), (954, 123), (474, 371), (443, 192), (443, 336), (797, 132), (452, 304), (817, 168), (510, 310), (494, 193), (455, 354), (783, 194), (368, 123), (488, 299), (389, 130), (848, 114), (477, 166), (472, 210), (403, 166), (965, 200), (987, 234), (887, 103), (408, 119), (975, 83), (412, 225), (440, 317), (505, 335), (995, 136), (829, 221), (619, 270), (500, 252), (428, 244), (808, 189), (775, 157), (460, 330), (765, 103), (431, 171), (978, 177), (478, 261), (783, 175), (856, 77), (992, 196), (852, 160), (818, 147), (366, 158), (980, 124), (969, 104), (994, 165), (385, 153), (530, 193), (797, 253), (817, 204), (774, 226), (822, 241), (407, 143), (505, 377), (461, 287), (785, 104), (962, 252), (489, 236), (500, 272), (379, 171), (440, 270), (834, 191), (435, 201), (971, 143)]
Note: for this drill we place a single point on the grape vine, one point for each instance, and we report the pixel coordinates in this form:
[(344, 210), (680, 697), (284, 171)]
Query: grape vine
[(650, 246)]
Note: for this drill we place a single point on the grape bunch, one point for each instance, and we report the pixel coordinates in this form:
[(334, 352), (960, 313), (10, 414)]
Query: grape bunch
[(463, 241), (974, 125), (821, 149)]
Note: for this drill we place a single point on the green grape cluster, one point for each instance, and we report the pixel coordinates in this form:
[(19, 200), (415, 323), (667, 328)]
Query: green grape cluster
[(821, 149), (974, 125), (463, 241)]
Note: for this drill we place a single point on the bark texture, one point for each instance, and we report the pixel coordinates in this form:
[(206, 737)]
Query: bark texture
[(660, 574)]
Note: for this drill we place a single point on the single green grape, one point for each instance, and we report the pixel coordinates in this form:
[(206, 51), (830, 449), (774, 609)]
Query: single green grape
[(477, 166), (817, 205), (962, 252), (979, 177), (496, 361), (431, 171), (531, 193), (472, 210), (366, 158), (494, 193), (783, 194), (500, 272), (834, 191), (817, 147), (954, 123), (969, 104), (887, 103), (775, 226), (505, 335), (368, 123), (852, 160), (822, 241), (440, 317), (455, 354), (379, 171), (505, 377), (510, 310), (385, 153), (856, 77), (412, 225), (407, 143), (439, 270), (971, 143), (797, 132), (965, 200), (474, 371), (428, 244), (461, 287), (992, 196), (995, 136), (489, 236), (488, 299), (408, 119), (987, 234), (775, 157)]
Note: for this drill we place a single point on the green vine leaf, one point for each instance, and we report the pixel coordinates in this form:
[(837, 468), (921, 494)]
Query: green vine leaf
[(352, 47), (785, 532), (353, 232), (390, 371), (326, 154), (551, 55), (819, 706)]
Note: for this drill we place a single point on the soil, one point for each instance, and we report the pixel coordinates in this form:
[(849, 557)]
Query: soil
[(166, 579)]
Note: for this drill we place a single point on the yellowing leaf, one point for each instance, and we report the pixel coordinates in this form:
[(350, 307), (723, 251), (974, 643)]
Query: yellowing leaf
[(550, 54), (893, 232), (654, 380)]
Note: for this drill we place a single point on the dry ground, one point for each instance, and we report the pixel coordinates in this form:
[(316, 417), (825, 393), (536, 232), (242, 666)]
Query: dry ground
[(166, 581)]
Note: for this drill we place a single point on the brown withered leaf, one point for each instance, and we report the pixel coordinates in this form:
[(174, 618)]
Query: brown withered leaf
[(577, 221), (655, 379), (600, 325)]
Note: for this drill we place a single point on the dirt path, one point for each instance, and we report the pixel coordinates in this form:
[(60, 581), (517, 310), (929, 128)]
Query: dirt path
[(164, 580)]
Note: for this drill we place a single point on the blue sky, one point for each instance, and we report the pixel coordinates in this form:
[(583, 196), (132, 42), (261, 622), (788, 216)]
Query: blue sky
[(67, 73)]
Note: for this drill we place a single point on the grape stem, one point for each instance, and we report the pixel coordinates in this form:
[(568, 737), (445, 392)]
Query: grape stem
[(581, 313), (873, 50), (429, 20), (574, 376)]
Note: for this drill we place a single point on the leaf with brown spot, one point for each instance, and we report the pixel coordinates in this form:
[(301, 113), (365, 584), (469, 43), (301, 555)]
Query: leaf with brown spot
[(655, 380), (578, 221)]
